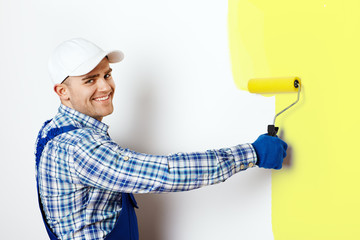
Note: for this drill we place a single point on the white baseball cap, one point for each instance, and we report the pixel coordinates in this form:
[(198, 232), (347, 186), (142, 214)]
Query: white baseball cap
[(76, 57)]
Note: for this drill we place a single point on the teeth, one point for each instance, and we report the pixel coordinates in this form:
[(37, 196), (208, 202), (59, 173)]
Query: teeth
[(102, 99)]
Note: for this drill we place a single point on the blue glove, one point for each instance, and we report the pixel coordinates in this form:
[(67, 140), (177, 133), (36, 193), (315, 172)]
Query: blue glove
[(270, 151)]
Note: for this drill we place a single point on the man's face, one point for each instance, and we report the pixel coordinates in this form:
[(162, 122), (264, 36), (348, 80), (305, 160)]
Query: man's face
[(92, 93)]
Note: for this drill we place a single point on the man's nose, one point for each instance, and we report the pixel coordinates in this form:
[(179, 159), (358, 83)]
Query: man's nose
[(103, 85)]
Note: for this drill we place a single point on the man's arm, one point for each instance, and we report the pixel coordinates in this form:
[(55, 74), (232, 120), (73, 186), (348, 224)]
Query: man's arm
[(101, 163)]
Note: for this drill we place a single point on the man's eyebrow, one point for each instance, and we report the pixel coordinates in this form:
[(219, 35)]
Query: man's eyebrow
[(91, 76), (108, 71)]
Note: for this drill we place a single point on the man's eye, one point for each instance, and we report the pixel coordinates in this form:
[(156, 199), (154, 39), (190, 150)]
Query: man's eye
[(108, 75), (89, 81)]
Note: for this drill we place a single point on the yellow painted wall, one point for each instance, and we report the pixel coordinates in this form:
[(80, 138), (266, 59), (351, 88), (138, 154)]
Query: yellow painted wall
[(318, 195)]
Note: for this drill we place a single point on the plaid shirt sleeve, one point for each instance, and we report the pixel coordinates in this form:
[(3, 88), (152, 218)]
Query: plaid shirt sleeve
[(99, 162)]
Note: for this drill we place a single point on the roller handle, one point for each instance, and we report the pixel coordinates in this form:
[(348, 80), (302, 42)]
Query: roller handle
[(272, 130)]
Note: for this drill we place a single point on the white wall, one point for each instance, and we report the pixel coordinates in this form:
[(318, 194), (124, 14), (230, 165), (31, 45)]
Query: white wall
[(175, 93)]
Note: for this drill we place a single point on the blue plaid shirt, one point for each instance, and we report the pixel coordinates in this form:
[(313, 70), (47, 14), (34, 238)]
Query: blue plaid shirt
[(82, 174)]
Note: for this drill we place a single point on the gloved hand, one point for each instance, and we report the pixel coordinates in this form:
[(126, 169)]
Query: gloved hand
[(270, 151)]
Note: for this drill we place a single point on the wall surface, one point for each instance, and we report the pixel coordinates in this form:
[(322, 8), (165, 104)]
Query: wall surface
[(317, 196), (175, 93)]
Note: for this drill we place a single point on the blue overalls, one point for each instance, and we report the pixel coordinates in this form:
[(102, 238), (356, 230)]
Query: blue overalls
[(126, 227)]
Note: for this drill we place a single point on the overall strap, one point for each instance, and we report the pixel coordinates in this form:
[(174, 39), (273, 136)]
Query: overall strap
[(50, 135), (41, 142)]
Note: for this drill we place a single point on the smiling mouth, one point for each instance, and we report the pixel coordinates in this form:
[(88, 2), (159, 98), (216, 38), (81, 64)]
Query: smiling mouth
[(100, 99)]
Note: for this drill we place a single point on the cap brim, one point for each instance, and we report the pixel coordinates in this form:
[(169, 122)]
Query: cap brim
[(114, 56)]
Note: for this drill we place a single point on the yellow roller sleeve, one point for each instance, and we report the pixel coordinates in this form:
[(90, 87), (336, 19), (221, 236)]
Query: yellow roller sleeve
[(318, 195), (274, 85)]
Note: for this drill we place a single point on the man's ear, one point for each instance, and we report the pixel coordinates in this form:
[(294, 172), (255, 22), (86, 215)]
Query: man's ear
[(62, 90)]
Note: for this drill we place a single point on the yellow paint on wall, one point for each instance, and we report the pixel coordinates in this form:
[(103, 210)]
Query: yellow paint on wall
[(318, 195)]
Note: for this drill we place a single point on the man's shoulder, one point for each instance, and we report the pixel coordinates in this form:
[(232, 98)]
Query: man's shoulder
[(83, 131), (77, 131)]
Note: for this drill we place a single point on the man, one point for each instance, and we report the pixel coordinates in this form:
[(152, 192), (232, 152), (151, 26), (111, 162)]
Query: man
[(85, 180)]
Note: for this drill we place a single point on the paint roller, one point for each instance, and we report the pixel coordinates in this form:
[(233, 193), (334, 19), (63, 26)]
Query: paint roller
[(274, 86)]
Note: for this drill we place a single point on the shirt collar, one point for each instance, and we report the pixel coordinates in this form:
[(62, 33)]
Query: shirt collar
[(83, 119)]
